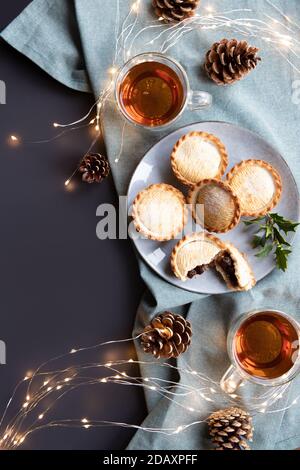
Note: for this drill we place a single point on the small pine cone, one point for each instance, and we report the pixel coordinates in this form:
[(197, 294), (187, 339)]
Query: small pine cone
[(168, 335), (175, 10), (94, 168), (230, 429), (230, 60)]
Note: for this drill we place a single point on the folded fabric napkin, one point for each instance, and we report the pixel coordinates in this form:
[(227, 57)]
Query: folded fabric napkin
[(74, 41)]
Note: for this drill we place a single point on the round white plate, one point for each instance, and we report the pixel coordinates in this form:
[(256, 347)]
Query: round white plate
[(241, 144)]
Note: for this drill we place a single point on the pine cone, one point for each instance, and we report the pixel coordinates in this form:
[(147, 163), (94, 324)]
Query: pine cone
[(175, 10), (168, 335), (230, 60), (230, 429), (94, 168)]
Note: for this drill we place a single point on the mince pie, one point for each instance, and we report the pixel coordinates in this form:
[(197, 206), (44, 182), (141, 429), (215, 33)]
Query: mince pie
[(197, 156), (257, 185), (198, 252), (159, 212), (214, 206)]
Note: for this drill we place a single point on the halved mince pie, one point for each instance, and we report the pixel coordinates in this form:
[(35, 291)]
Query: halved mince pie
[(198, 252), (234, 268), (197, 156), (159, 212), (257, 185), (214, 206), (194, 254)]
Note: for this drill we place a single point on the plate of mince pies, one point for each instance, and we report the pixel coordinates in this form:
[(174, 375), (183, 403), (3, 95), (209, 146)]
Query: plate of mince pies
[(189, 196)]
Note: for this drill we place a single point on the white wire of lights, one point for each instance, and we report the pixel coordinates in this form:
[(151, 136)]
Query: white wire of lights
[(27, 411)]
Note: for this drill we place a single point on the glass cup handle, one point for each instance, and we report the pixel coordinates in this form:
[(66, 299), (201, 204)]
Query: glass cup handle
[(231, 380), (199, 100)]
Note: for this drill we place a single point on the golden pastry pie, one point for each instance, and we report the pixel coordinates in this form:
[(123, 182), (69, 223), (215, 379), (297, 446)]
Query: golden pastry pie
[(194, 254), (214, 205), (159, 212), (234, 268), (198, 156), (198, 252), (257, 185)]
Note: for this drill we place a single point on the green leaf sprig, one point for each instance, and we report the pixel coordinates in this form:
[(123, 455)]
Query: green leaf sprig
[(269, 237)]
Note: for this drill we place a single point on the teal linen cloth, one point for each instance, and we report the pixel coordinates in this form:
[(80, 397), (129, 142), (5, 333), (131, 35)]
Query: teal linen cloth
[(74, 42)]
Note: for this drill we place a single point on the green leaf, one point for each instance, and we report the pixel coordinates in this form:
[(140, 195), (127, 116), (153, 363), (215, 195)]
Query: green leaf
[(257, 241), (265, 251), (281, 257), (269, 231), (279, 237), (285, 225), (253, 221)]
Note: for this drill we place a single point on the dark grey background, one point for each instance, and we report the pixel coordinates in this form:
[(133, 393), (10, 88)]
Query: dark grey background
[(60, 286)]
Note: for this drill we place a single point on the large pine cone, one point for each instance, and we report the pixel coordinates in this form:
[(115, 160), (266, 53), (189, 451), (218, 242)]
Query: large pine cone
[(94, 168), (175, 10), (230, 60), (230, 429), (168, 335)]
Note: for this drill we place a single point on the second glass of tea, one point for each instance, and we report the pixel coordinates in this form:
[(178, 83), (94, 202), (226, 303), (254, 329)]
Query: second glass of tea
[(263, 346), (152, 91)]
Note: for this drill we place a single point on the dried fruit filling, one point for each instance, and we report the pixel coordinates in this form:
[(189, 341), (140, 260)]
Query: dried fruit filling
[(226, 263), (223, 260)]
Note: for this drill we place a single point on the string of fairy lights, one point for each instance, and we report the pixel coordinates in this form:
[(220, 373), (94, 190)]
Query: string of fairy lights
[(29, 408), (46, 387), (279, 33)]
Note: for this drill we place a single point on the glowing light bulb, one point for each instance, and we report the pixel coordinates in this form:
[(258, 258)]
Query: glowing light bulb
[(113, 70), (25, 404), (135, 6), (103, 380), (55, 124), (67, 379), (58, 387), (73, 351), (14, 138), (67, 182), (84, 420), (179, 429), (41, 416)]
